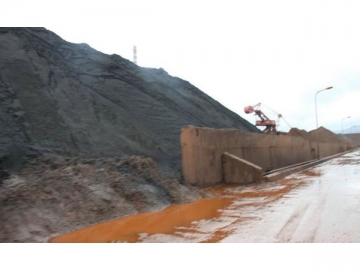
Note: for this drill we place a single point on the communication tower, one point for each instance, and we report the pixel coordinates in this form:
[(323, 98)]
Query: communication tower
[(135, 56)]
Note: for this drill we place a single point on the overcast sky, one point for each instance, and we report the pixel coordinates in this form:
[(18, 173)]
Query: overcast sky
[(279, 53)]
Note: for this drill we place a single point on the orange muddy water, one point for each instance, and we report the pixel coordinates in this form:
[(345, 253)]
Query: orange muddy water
[(320, 204), (127, 229), (176, 218)]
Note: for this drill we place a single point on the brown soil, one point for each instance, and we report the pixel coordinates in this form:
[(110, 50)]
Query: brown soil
[(326, 135), (299, 132), (310, 173), (54, 195)]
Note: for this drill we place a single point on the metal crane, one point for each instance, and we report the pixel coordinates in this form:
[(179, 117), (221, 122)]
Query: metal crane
[(270, 125)]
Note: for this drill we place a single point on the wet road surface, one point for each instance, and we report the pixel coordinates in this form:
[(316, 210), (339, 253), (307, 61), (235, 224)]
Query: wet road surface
[(321, 204)]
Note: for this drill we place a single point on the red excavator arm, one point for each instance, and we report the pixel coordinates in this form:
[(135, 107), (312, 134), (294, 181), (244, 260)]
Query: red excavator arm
[(270, 125)]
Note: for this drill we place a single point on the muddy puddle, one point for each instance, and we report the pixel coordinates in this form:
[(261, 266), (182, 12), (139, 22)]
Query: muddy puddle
[(206, 220), (128, 229)]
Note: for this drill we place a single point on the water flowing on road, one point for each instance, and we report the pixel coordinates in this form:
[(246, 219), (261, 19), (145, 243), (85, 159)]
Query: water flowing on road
[(320, 204)]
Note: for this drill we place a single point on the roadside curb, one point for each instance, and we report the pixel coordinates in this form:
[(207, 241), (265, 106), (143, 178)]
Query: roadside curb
[(281, 173)]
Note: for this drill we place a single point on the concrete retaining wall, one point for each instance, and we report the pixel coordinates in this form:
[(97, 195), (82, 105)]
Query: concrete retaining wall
[(202, 149), (239, 171)]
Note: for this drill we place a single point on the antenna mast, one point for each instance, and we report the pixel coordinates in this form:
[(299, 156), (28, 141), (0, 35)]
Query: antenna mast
[(135, 56)]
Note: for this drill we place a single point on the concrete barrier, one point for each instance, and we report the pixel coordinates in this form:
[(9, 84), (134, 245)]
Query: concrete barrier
[(283, 172), (239, 171), (202, 150)]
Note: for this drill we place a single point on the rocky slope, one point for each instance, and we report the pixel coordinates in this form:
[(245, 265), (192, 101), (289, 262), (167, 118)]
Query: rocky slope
[(56, 96), (84, 134)]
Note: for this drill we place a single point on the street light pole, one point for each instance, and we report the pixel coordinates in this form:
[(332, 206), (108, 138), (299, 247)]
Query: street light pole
[(342, 127), (327, 88), (342, 131), (317, 134)]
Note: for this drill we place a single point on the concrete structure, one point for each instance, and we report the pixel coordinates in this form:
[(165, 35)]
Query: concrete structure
[(283, 172), (239, 171), (203, 148)]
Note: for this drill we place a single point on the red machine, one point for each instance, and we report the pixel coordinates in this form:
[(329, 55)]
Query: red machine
[(270, 125)]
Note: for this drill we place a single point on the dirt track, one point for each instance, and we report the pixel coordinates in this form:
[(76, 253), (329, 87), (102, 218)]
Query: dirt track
[(317, 205)]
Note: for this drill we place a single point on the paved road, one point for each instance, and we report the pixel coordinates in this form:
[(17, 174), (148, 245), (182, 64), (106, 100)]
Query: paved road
[(321, 204), (325, 208)]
